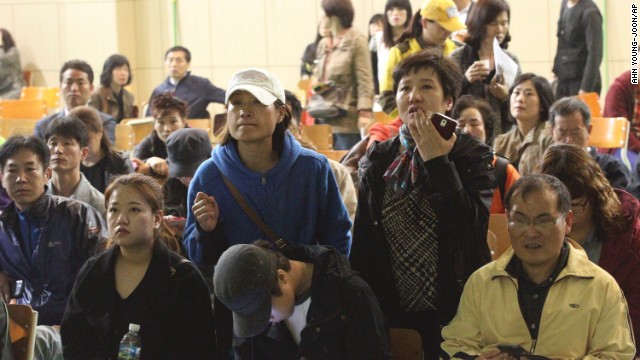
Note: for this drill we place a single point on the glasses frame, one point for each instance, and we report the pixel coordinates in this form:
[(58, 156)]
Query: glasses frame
[(542, 225)]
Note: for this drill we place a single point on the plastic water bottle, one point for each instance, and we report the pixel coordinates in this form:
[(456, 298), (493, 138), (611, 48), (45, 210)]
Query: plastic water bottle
[(131, 345)]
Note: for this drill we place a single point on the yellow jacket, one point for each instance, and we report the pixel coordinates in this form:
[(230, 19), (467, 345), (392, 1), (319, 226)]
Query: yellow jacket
[(585, 315)]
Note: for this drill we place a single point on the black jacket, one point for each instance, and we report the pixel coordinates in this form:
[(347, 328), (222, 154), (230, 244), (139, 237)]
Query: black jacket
[(344, 320), (171, 304), (459, 188)]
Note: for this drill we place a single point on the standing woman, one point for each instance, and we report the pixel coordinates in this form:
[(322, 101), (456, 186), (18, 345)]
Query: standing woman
[(291, 189), (397, 17), (138, 280), (112, 98), (11, 80), (530, 99), (488, 20), (103, 163), (344, 59)]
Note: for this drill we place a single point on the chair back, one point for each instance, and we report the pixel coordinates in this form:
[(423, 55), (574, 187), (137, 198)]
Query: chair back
[(22, 109), (611, 133), (204, 124), (10, 127), (405, 344), (125, 137), (141, 128), (592, 101), (320, 135), (50, 95), (499, 230), (22, 329)]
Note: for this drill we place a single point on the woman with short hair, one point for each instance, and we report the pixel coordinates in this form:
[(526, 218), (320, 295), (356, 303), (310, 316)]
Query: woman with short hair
[(111, 97)]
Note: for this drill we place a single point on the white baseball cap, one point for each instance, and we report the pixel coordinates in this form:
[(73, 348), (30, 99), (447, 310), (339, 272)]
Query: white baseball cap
[(259, 82)]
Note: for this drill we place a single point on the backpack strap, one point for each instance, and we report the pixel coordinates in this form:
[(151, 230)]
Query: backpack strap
[(501, 175)]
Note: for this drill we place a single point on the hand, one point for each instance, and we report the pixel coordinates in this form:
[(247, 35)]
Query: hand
[(428, 140), (495, 354), (5, 287), (476, 72), (140, 166), (498, 88), (158, 166), (205, 209)]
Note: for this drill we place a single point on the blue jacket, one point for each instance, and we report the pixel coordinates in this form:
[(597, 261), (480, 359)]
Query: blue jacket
[(108, 125), (298, 199), (197, 91), (72, 233)]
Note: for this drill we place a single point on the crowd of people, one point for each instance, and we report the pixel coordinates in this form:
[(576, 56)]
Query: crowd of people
[(262, 248)]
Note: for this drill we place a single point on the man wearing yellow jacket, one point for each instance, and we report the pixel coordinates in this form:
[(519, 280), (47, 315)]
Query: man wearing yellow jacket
[(543, 294)]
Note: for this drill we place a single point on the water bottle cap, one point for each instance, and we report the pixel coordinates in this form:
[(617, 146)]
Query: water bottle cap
[(134, 327)]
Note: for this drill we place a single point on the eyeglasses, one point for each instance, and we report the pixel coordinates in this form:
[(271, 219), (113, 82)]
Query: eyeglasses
[(579, 208), (542, 224)]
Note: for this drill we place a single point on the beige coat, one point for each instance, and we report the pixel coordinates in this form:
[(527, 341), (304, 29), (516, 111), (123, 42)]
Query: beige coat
[(524, 151), (349, 65)]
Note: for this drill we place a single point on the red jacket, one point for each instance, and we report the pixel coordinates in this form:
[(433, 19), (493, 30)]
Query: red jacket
[(621, 258)]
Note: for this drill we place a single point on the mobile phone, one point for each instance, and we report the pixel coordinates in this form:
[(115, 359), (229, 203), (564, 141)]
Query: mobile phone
[(17, 288), (513, 350), (444, 124)]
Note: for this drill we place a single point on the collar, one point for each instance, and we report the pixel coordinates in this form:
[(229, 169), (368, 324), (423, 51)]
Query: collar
[(516, 269)]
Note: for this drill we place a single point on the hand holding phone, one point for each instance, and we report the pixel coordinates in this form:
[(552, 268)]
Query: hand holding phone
[(513, 350), (444, 124)]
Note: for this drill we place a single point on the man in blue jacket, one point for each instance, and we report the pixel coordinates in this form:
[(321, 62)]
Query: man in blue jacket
[(44, 239), (197, 91)]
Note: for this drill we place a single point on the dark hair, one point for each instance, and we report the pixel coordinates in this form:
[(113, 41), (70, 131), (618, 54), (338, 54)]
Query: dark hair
[(152, 193), (69, 127), (79, 65), (376, 18), (582, 176), (343, 9), (567, 106), (7, 40), (387, 34), (447, 70), (282, 263), (112, 62), (481, 15), (296, 106), (543, 88), (533, 183), (90, 117), (414, 31), (30, 143), (277, 139), (488, 116), (164, 102), (187, 53)]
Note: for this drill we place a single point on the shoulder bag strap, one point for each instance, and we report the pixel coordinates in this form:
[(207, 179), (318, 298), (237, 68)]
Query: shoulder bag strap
[(501, 175), (279, 242)]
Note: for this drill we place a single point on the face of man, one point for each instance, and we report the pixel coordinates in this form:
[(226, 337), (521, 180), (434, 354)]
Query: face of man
[(176, 64), (570, 129), (66, 153), (24, 178), (537, 230), (76, 88)]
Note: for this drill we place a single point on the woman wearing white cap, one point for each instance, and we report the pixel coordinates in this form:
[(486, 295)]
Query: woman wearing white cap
[(291, 189)]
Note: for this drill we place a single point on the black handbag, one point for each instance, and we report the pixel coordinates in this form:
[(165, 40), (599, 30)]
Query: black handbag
[(327, 101)]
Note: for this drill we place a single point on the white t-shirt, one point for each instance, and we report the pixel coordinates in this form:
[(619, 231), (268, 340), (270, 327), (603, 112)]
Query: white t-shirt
[(298, 320)]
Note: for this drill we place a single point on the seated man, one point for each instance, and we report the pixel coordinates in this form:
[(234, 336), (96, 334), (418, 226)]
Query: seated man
[(44, 239), (76, 84), (68, 141), (570, 121), (543, 294), (309, 304)]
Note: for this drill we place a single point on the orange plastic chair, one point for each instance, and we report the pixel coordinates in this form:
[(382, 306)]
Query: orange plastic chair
[(320, 135), (382, 117), (499, 230), (50, 95), (405, 344), (10, 127), (22, 109), (23, 321), (592, 101), (611, 133)]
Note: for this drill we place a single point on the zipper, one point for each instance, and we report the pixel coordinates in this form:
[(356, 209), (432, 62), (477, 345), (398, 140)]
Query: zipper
[(533, 346)]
